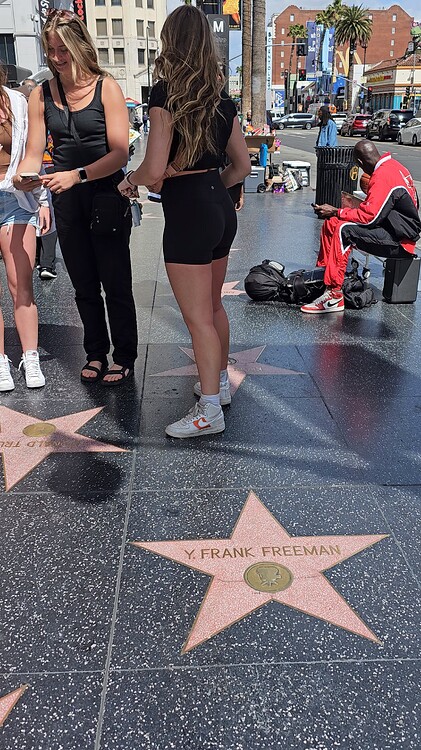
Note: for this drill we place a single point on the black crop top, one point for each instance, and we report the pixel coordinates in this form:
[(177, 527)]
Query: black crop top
[(90, 127), (224, 122)]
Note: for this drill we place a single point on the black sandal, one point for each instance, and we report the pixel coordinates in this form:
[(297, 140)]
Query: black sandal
[(99, 372), (125, 372)]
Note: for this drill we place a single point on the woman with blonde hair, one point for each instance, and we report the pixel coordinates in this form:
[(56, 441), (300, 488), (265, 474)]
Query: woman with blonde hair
[(84, 111), (20, 214), (193, 123)]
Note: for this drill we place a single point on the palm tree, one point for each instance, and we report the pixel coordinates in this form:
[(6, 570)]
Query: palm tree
[(258, 60), (246, 59), (296, 31), (353, 27)]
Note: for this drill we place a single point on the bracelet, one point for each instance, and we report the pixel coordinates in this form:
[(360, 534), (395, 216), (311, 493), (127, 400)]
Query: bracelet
[(127, 178)]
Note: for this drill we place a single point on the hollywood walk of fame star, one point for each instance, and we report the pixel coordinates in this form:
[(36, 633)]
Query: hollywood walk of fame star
[(8, 702), (228, 289), (240, 364), (25, 441), (260, 563)]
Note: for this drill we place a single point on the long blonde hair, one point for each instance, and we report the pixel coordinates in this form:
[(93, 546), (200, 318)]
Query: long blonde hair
[(75, 36), (189, 66)]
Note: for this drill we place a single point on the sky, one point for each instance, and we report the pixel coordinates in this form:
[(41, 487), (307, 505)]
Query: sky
[(277, 6)]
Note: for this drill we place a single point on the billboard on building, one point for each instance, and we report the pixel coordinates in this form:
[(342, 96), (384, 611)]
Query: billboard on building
[(77, 6), (315, 34), (232, 8)]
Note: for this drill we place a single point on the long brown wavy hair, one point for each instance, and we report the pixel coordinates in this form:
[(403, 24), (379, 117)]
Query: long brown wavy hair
[(4, 99), (75, 36), (189, 66)]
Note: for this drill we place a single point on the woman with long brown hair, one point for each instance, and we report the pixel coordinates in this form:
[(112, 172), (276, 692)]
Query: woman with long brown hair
[(193, 123), (84, 110), (19, 215)]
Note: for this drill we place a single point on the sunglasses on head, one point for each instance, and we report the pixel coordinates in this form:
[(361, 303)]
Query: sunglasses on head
[(67, 15)]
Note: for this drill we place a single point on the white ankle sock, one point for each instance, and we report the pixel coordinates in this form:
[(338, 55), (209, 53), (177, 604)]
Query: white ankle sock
[(205, 399), (223, 377)]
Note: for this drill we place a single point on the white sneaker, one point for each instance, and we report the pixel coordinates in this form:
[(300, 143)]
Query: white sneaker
[(6, 380), (30, 363), (201, 420), (224, 392)]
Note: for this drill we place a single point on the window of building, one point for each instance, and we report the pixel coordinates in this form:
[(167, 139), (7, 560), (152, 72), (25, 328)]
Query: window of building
[(340, 64), (141, 56), (393, 30), (391, 53), (103, 55), (392, 42), (119, 58), (282, 31), (101, 27), (99, 2), (282, 53), (152, 55), (7, 49), (139, 28), (151, 28), (282, 43), (292, 18), (282, 65), (117, 26), (139, 3), (394, 17), (115, 2), (149, 4), (370, 16)]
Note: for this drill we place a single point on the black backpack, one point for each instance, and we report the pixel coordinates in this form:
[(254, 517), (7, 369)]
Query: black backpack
[(268, 282), (357, 293)]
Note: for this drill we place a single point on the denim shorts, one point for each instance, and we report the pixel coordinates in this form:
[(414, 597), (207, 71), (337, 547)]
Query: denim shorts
[(12, 213)]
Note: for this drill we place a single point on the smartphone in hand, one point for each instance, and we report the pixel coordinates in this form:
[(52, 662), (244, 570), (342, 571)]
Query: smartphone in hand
[(29, 176)]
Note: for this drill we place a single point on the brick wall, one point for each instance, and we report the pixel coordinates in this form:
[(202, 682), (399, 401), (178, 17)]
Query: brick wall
[(379, 48)]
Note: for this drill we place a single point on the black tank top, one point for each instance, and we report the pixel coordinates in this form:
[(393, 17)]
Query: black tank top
[(90, 126)]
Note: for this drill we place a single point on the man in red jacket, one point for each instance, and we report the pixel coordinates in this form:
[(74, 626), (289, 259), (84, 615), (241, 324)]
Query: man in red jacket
[(386, 224)]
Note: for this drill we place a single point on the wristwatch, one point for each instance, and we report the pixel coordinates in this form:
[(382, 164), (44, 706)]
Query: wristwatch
[(82, 174)]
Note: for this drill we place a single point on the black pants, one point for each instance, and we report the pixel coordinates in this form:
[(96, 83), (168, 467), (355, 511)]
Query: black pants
[(93, 261), (377, 241), (46, 250)]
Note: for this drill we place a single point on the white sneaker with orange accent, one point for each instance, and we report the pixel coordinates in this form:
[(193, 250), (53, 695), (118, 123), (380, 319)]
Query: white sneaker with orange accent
[(201, 420), (331, 301)]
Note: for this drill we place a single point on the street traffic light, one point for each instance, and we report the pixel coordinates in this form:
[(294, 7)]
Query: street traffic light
[(302, 74), (369, 94), (302, 47), (407, 91)]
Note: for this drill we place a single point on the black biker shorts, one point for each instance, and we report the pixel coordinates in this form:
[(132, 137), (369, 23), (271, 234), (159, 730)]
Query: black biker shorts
[(200, 219)]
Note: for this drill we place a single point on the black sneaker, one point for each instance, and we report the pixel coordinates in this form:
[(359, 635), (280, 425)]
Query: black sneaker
[(47, 273)]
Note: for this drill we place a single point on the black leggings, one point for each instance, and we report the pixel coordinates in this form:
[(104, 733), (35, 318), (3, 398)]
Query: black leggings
[(93, 261), (200, 219)]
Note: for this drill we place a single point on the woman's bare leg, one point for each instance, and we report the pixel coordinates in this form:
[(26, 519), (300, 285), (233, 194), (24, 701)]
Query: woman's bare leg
[(18, 249)]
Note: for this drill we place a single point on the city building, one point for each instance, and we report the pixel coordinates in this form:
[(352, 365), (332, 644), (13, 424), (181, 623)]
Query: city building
[(391, 33), (126, 33), (396, 84)]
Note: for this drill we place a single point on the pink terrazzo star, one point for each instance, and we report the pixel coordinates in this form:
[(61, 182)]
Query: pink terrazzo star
[(228, 289), (25, 441), (261, 563), (240, 364), (8, 702)]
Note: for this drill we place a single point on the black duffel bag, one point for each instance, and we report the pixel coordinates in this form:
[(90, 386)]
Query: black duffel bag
[(267, 282)]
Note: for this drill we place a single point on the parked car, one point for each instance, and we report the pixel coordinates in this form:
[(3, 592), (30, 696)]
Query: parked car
[(355, 125), (339, 119), (295, 120), (410, 132), (386, 123)]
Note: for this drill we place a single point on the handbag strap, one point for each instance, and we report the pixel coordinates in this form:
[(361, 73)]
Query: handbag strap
[(68, 115)]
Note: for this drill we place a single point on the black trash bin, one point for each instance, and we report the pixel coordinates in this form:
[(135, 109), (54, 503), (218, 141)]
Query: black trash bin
[(337, 171)]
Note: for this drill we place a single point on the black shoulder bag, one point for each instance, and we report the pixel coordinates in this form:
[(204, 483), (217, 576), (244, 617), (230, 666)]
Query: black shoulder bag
[(109, 208)]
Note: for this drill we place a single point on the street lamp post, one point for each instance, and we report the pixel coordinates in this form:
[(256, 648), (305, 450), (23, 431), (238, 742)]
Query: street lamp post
[(147, 58)]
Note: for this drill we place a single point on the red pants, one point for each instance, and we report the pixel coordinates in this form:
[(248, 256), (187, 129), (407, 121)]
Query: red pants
[(332, 255), (339, 237)]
